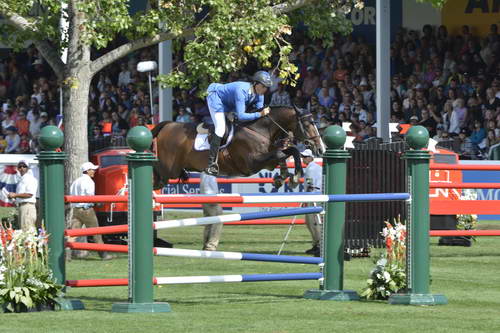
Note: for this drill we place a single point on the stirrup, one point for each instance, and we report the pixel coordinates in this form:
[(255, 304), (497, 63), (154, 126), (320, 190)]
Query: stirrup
[(212, 170)]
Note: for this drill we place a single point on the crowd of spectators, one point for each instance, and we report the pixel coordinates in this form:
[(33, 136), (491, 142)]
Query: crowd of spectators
[(448, 83)]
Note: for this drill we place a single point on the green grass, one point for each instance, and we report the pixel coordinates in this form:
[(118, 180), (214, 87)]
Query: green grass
[(469, 277)]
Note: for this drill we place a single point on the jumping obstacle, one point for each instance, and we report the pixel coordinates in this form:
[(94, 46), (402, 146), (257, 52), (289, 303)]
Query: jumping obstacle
[(140, 236), (308, 197), (231, 180), (199, 279), (169, 252), (196, 221)]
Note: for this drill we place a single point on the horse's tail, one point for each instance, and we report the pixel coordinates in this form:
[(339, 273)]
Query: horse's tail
[(158, 127)]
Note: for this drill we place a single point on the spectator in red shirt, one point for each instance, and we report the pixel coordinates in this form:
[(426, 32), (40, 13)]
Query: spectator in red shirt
[(22, 124)]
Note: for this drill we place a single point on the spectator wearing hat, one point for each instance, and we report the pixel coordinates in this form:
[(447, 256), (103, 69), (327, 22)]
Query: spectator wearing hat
[(13, 140), (313, 182), (25, 196), (83, 213), (414, 120), (44, 118)]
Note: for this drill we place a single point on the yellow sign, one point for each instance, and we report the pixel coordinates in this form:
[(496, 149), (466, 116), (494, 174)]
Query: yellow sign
[(477, 14)]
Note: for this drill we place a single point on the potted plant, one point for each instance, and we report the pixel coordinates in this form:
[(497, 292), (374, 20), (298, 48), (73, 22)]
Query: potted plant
[(26, 282)]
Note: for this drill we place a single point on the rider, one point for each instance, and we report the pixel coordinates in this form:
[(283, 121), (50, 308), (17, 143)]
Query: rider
[(234, 97)]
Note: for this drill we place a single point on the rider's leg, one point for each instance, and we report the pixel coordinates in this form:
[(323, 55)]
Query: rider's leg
[(215, 140)]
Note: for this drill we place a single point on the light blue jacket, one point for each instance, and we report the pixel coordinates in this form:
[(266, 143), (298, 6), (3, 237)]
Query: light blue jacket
[(234, 97)]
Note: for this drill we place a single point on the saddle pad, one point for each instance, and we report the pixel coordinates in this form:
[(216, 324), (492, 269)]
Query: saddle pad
[(201, 141)]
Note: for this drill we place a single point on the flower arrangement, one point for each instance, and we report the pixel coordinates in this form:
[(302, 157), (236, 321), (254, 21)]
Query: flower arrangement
[(26, 281), (389, 274), (467, 222)]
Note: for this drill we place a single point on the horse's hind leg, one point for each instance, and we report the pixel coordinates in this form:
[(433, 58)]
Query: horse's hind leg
[(158, 182), (184, 176)]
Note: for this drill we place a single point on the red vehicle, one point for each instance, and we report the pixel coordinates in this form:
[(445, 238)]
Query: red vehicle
[(111, 179)]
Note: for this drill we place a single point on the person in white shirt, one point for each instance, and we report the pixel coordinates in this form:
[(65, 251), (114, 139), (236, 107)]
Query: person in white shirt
[(83, 213), (25, 196), (313, 182)]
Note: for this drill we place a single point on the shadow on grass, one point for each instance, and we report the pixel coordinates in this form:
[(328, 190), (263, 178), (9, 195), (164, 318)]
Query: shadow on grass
[(98, 303), (234, 298), (457, 255)]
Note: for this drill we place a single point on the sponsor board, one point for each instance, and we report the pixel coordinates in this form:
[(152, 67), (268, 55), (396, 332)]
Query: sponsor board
[(477, 14)]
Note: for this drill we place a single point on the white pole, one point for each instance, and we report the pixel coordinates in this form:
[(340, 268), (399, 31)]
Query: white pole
[(63, 28), (383, 97), (151, 99)]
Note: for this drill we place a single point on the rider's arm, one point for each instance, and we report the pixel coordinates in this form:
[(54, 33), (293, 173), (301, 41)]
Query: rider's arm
[(240, 108), (260, 102)]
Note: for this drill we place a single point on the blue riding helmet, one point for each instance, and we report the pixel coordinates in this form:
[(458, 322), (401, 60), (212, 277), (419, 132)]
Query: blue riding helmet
[(264, 78)]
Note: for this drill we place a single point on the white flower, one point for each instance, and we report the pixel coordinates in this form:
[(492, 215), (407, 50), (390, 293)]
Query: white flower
[(387, 276), (382, 262)]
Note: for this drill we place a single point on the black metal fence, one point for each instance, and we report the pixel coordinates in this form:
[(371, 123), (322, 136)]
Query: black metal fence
[(374, 168)]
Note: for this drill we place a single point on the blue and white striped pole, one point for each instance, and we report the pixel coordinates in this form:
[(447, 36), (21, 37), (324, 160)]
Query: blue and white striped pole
[(236, 278), (236, 256), (235, 217)]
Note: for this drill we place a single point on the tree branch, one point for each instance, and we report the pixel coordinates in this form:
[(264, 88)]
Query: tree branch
[(287, 7), (132, 46), (48, 52), (125, 49)]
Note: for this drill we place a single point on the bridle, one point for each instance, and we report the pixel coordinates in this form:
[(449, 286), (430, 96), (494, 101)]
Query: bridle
[(304, 119)]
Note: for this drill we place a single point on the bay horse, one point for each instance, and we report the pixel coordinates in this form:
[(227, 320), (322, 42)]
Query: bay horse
[(255, 146)]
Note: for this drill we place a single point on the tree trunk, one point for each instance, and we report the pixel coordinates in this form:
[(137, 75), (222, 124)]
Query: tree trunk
[(75, 124)]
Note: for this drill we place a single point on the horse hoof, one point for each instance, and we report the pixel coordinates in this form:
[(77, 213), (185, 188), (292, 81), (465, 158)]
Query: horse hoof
[(278, 181), (294, 181)]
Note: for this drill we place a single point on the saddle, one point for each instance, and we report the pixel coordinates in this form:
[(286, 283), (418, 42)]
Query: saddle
[(207, 129)]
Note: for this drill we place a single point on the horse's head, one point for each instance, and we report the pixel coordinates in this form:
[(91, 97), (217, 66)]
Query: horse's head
[(308, 132)]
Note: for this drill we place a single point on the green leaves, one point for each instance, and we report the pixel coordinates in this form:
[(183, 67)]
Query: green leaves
[(26, 280), (435, 3)]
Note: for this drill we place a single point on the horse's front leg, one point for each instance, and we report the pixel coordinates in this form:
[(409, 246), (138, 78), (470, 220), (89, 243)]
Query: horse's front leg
[(279, 180), (299, 172)]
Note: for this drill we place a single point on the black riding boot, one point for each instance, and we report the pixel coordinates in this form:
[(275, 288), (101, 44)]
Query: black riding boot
[(212, 168)]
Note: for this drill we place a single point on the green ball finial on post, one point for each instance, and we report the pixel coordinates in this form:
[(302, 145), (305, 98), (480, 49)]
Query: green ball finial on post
[(51, 138), (417, 137), (139, 138), (334, 137)]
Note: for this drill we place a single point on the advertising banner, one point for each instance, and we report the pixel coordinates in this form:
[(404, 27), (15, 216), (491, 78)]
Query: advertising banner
[(364, 20), (477, 14)]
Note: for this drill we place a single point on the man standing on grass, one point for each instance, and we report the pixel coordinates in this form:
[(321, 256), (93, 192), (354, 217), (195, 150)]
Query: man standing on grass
[(313, 181), (83, 213), (26, 196)]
